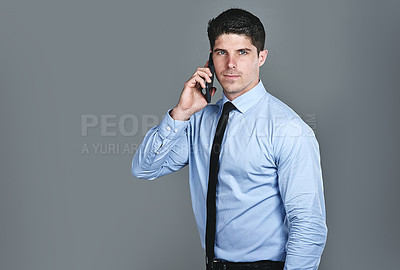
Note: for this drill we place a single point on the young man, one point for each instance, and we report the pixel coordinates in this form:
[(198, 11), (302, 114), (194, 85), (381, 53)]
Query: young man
[(254, 166)]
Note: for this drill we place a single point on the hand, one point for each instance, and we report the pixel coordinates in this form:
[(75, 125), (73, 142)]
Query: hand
[(192, 99)]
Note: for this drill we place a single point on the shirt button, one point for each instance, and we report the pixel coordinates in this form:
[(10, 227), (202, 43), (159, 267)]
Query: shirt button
[(157, 153), (168, 128), (175, 130)]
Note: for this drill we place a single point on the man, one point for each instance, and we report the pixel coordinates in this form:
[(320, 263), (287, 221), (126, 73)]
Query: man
[(254, 167)]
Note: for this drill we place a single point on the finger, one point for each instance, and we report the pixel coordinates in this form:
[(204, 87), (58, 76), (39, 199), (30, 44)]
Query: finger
[(204, 75), (206, 70), (199, 75), (200, 81)]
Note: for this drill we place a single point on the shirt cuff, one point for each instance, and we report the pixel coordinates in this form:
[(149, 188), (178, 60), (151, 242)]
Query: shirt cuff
[(170, 128)]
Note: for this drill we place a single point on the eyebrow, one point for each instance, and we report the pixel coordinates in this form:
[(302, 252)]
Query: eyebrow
[(243, 49)]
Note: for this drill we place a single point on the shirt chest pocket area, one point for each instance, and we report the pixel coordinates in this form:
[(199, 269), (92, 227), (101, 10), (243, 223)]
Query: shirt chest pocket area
[(250, 156)]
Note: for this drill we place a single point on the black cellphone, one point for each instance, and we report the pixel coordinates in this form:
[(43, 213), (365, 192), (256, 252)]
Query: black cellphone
[(210, 85)]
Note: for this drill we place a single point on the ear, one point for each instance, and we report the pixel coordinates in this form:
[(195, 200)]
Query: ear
[(262, 56)]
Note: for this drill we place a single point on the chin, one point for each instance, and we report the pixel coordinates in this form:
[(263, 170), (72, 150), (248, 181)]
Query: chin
[(231, 87), (232, 90)]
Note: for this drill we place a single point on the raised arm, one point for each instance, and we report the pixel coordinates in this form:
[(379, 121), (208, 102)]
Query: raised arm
[(165, 148)]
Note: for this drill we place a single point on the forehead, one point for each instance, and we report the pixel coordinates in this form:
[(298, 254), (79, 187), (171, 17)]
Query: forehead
[(232, 41)]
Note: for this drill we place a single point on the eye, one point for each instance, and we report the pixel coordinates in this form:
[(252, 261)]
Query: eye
[(221, 53), (242, 52)]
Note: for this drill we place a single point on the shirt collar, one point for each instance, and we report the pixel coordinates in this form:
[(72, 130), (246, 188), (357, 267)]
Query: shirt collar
[(248, 99)]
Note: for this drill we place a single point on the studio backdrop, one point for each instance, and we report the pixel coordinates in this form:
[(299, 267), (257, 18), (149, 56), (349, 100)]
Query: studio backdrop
[(81, 82)]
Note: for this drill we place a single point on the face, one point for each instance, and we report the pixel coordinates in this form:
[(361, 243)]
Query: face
[(237, 64)]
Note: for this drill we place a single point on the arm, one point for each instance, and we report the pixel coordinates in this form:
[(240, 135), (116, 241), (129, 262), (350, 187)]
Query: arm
[(301, 188), (165, 148)]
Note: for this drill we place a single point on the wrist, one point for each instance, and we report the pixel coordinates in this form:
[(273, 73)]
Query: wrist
[(180, 115)]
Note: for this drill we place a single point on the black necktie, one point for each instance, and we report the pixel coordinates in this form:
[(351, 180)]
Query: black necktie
[(213, 179)]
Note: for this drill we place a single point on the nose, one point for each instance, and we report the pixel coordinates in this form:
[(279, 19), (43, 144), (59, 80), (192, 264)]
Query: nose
[(232, 61)]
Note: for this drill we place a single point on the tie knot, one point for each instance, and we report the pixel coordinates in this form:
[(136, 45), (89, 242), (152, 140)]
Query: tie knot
[(228, 106)]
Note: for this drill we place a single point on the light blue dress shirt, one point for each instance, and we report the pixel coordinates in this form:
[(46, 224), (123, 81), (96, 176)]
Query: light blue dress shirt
[(270, 201)]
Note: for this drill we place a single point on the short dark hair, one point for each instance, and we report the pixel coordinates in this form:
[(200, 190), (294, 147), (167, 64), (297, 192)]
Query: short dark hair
[(237, 21)]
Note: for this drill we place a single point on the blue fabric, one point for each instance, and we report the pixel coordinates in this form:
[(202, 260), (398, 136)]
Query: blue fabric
[(270, 201)]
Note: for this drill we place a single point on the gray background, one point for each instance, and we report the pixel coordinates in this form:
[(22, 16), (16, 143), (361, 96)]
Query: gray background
[(60, 208)]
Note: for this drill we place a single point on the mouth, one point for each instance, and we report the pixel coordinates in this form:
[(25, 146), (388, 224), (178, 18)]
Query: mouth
[(231, 76)]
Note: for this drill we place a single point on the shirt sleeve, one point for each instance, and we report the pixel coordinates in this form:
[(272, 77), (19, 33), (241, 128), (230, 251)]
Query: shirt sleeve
[(164, 150), (301, 189)]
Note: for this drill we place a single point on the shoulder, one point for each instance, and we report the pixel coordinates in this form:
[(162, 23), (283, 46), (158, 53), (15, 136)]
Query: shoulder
[(278, 108), (284, 123)]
